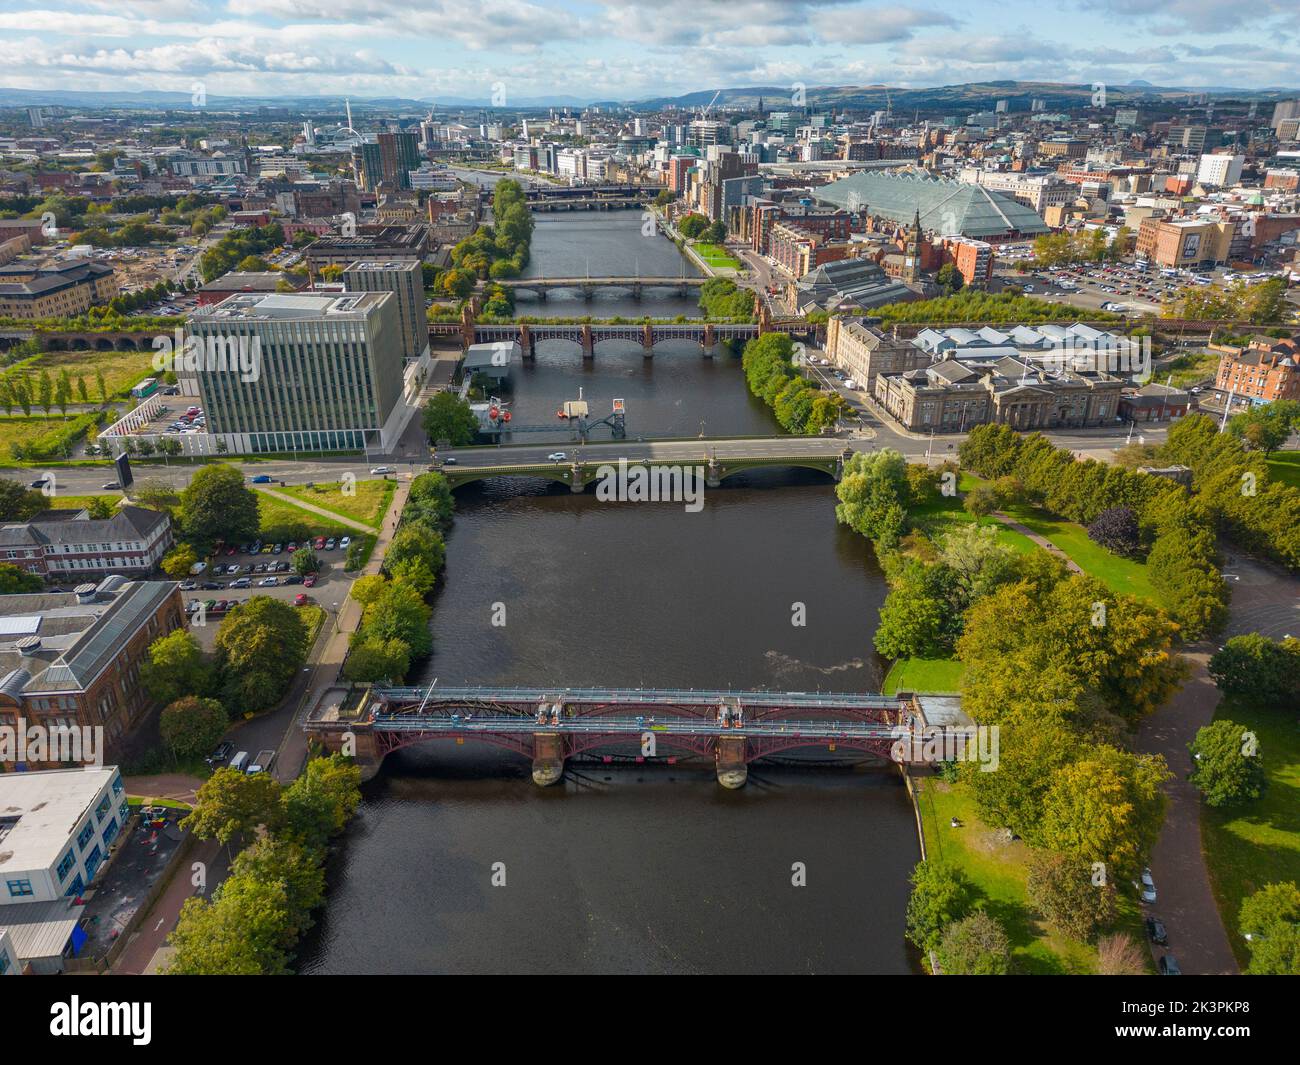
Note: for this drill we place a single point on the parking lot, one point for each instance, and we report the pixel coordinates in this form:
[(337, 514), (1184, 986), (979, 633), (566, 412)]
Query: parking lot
[(224, 590)]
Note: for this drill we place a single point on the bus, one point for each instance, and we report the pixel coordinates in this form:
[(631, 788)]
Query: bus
[(145, 388)]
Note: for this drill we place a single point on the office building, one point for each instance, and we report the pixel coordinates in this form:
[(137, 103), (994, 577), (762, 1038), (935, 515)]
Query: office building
[(1220, 170), (1184, 243), (70, 543), (66, 289), (329, 372), (405, 279)]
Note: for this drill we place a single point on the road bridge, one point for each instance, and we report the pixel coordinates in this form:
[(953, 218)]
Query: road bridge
[(587, 336), (712, 459), (588, 286), (551, 725)]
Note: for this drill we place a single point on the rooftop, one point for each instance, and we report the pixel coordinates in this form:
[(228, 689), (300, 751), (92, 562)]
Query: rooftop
[(287, 306), (42, 810)]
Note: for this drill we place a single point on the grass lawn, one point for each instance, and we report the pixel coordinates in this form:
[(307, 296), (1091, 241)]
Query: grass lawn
[(18, 428), (314, 617), (71, 502), (1257, 844), (716, 255), (1284, 466), (284, 521), (999, 868), (121, 369), (367, 504), (924, 675), (1189, 369), (947, 513)]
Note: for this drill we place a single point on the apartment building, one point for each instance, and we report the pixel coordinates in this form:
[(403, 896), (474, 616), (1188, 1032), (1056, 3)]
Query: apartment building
[(62, 290), (1264, 371), (864, 353), (1184, 243)]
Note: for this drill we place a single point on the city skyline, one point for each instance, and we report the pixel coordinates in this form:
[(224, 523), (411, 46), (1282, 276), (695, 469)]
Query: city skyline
[(528, 50)]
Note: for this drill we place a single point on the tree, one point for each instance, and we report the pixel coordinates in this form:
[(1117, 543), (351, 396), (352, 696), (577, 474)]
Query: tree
[(1034, 746), (974, 946), (430, 500), (101, 507), (1119, 955), (448, 418), (1270, 921), (377, 660), (981, 500), (1067, 893), (45, 391), (15, 581), (178, 562), (156, 495), (192, 726), (949, 278), (231, 803), (286, 862), (365, 590), (217, 505), (399, 613), (18, 502), (260, 648), (322, 800), (872, 494), (305, 561), (102, 386), (1116, 529), (1261, 671), (692, 226), (176, 668), (1226, 765), (1107, 807), (415, 541), (241, 932), (941, 895)]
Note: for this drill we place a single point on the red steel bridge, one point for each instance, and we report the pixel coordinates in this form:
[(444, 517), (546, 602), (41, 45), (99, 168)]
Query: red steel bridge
[(550, 725)]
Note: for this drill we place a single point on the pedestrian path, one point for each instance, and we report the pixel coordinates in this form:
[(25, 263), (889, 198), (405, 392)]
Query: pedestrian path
[(1041, 541)]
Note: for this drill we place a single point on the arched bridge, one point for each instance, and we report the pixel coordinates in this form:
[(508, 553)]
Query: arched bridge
[(665, 462), (550, 725), (588, 286), (647, 334)]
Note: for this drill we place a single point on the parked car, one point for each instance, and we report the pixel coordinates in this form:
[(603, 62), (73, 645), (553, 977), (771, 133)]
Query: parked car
[(330, 544), (240, 762), (209, 586), (309, 581), (261, 763), (189, 586), (293, 578), (1148, 888), (318, 543), (243, 582), (1168, 966), (345, 543), (220, 753), (1156, 930), (197, 568), (268, 582), (301, 599)]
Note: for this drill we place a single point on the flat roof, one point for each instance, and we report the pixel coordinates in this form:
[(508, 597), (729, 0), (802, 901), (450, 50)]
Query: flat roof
[(42, 810)]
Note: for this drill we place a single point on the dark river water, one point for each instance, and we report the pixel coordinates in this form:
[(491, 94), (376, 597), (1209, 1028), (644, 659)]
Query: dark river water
[(625, 868)]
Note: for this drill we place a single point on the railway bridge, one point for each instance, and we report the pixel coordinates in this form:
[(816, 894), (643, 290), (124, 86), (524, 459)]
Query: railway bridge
[(550, 725)]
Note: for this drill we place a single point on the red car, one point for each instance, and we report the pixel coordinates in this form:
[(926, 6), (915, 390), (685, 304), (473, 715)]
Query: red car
[(309, 581), (319, 543), (301, 600)]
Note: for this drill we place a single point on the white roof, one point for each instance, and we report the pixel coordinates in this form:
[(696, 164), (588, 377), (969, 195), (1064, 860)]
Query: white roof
[(47, 806)]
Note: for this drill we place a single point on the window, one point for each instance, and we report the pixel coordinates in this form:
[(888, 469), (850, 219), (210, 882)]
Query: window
[(65, 865), (85, 835), (19, 888), (76, 887)]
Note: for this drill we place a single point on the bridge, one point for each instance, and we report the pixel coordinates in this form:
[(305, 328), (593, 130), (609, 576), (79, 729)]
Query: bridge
[(541, 193), (648, 335), (712, 460), (588, 285), (551, 725)]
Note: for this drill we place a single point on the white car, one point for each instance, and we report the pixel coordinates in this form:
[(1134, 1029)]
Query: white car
[(345, 542), (380, 470), (556, 456), (1148, 888), (269, 582)]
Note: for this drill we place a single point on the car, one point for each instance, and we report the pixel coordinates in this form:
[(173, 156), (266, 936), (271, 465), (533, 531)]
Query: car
[(218, 569), (209, 586), (234, 568), (40, 482), (379, 470), (1148, 888), (208, 604), (346, 542), (449, 461), (278, 549), (281, 567), (292, 546), (293, 578), (309, 581), (268, 582), (266, 549), (318, 543), (331, 544), (189, 586), (220, 754), (219, 607), (230, 550), (110, 486), (243, 582), (197, 568), (1156, 931), (556, 456), (301, 599), (262, 478), (191, 606), (1168, 966)]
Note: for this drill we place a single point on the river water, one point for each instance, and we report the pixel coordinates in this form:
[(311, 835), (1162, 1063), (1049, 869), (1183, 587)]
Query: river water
[(652, 868)]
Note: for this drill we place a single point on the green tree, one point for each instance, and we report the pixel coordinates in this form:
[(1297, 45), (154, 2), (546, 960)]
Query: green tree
[(1261, 671), (872, 495), (178, 562), (376, 660), (415, 541), (15, 581), (1226, 765), (430, 500), (231, 803), (320, 802), (949, 278), (260, 648), (941, 895), (1066, 892), (191, 726), (217, 505), (18, 502), (176, 668), (305, 561), (1270, 919), (448, 418), (974, 946), (241, 932), (399, 613)]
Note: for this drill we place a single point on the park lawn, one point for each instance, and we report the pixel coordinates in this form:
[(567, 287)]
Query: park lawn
[(18, 428), (1000, 869), (924, 675), (716, 255), (121, 369), (71, 502), (947, 513), (1284, 466), (367, 504), (1250, 846), (282, 521)]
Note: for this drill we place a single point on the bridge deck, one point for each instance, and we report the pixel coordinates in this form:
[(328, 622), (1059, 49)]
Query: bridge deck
[(643, 697)]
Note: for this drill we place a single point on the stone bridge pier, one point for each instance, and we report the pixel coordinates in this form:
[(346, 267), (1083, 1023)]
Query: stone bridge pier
[(548, 758), (358, 742), (729, 754)]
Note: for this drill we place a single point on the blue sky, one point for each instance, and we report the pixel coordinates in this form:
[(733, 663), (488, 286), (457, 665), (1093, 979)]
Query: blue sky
[(631, 49)]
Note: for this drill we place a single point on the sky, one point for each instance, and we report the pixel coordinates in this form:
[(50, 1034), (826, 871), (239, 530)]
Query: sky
[(634, 49)]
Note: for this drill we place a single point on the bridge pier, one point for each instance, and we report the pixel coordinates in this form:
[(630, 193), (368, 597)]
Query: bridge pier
[(648, 340), (709, 342), (588, 292), (548, 759), (713, 474), (358, 742), (636, 291), (527, 342), (588, 343), (729, 754)]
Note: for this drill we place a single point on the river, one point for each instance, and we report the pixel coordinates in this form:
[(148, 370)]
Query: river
[(625, 868)]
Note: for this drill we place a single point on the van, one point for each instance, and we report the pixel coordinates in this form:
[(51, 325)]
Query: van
[(240, 762)]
